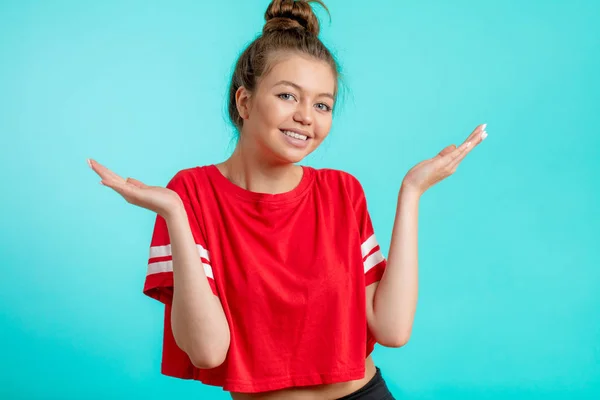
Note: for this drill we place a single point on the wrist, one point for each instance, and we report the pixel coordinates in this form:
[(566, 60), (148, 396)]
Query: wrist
[(175, 213), (410, 191)]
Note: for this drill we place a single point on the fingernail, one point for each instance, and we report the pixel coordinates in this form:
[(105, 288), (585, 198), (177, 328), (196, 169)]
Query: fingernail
[(483, 135), (89, 163), (102, 183), (483, 127)]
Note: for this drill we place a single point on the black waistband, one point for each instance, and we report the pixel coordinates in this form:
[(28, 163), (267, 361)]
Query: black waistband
[(375, 389)]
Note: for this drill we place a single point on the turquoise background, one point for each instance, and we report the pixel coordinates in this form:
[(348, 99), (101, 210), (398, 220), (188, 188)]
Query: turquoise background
[(509, 297)]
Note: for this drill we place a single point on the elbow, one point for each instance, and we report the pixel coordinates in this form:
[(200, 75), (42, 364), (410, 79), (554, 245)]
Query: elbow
[(207, 360), (208, 357), (205, 355), (395, 340), (205, 350)]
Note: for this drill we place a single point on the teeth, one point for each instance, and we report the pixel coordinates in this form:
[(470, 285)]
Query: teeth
[(295, 135)]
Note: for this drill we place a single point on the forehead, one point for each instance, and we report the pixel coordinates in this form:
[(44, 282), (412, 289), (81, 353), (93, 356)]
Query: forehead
[(312, 75)]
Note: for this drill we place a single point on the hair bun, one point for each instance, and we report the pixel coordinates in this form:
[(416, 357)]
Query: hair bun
[(291, 14)]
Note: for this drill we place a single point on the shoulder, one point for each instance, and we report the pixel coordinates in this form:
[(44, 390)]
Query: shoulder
[(187, 181), (185, 174), (190, 174), (338, 177)]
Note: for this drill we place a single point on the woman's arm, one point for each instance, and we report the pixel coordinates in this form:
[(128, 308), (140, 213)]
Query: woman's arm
[(393, 300), (391, 304), (197, 318)]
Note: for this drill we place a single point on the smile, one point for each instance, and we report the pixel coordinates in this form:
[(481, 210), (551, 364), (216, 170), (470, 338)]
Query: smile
[(295, 135)]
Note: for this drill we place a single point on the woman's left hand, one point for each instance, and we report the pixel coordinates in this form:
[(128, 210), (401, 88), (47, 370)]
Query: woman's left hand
[(429, 172)]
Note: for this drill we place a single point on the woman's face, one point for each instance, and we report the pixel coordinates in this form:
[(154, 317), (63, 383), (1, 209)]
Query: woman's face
[(290, 113)]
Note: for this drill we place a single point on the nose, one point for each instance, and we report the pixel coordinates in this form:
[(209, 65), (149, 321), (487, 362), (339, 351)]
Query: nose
[(303, 114)]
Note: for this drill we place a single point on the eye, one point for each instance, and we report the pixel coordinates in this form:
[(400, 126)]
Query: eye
[(324, 108), (283, 96)]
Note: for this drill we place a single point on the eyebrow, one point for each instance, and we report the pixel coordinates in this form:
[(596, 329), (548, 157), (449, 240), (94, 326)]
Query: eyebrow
[(292, 84)]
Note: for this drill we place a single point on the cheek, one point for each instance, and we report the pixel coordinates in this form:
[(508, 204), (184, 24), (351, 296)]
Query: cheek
[(272, 112), (323, 126)]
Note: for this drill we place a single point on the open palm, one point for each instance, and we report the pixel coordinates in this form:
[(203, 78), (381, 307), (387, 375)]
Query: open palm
[(155, 198), (429, 172)]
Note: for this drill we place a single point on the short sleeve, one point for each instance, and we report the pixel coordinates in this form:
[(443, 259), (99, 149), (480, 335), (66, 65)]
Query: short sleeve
[(159, 275), (373, 260)]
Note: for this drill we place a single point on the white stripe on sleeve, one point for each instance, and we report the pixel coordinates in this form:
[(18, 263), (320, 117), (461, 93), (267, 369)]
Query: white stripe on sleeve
[(208, 271), (368, 245), (160, 251), (160, 266), (373, 260), (167, 266), (165, 251)]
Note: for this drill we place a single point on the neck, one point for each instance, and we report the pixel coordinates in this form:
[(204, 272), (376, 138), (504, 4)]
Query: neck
[(251, 172)]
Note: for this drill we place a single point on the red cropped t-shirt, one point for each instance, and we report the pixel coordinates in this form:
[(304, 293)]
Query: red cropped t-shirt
[(290, 270)]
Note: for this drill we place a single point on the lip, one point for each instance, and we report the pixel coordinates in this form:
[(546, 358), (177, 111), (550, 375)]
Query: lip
[(296, 143), (298, 131)]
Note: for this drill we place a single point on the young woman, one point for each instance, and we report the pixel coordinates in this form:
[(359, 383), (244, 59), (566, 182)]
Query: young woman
[(281, 287)]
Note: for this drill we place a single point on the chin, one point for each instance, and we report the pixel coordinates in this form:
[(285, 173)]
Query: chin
[(285, 153), (291, 158)]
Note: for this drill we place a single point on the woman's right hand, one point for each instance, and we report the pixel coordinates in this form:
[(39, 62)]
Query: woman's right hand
[(161, 200)]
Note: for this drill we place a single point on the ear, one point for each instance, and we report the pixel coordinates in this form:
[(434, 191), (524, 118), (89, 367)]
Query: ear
[(242, 101)]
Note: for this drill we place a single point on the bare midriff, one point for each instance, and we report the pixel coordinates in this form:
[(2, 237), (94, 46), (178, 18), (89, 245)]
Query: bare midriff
[(317, 392)]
